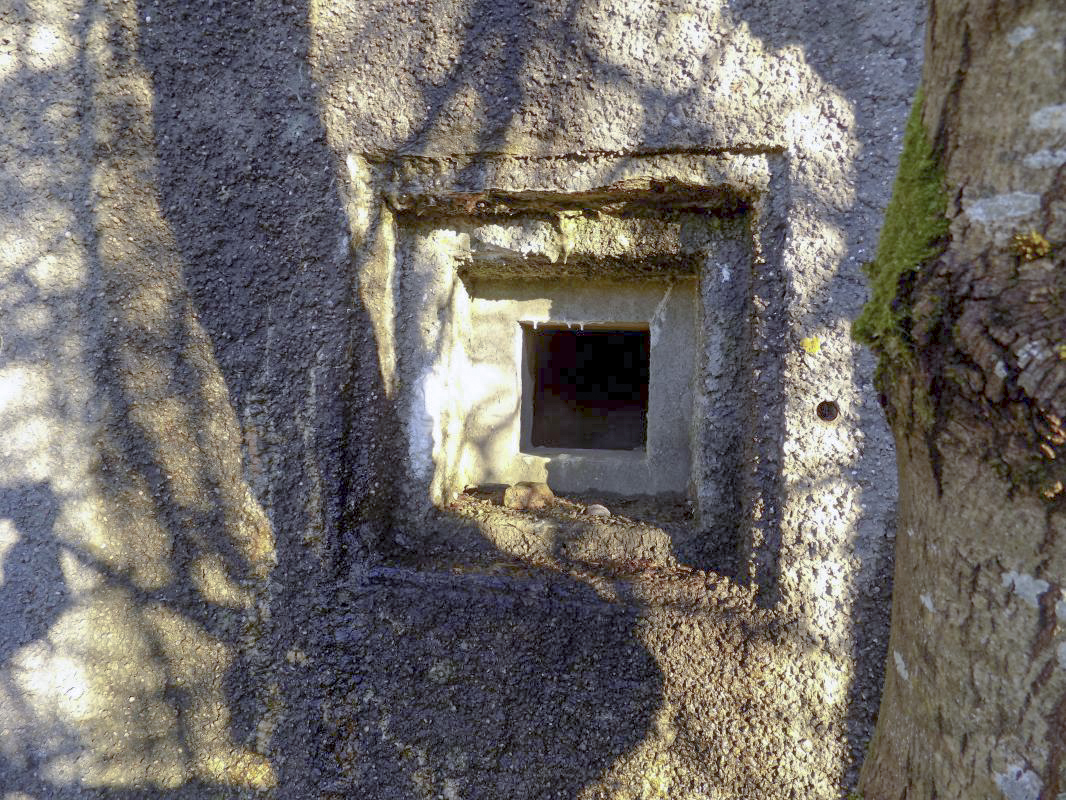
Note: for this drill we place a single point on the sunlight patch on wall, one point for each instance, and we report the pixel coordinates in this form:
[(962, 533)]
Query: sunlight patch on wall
[(201, 661), (27, 447), (79, 578), (52, 681), (212, 579), (96, 694), (8, 64), (47, 48), (15, 248), (22, 388), (9, 537)]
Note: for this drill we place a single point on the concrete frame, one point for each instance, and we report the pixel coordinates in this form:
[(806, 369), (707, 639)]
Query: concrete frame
[(498, 312), (696, 220)]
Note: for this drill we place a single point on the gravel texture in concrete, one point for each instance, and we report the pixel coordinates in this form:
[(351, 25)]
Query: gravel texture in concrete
[(209, 584)]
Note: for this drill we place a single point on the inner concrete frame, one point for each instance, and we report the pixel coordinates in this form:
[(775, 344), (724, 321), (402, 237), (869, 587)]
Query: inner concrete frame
[(679, 243), (488, 372)]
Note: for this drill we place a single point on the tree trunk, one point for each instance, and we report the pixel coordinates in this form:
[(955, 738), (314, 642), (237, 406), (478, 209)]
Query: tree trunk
[(972, 341)]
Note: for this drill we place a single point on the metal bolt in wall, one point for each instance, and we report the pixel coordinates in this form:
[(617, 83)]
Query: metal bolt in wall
[(827, 410)]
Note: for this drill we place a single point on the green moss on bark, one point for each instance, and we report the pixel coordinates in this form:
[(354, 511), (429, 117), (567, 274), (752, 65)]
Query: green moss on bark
[(914, 234)]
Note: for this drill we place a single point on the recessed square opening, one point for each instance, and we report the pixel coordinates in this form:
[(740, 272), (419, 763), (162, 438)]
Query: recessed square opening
[(586, 389), (480, 394)]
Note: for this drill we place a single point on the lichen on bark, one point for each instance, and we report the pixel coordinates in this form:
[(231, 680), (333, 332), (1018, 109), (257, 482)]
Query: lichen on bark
[(914, 234)]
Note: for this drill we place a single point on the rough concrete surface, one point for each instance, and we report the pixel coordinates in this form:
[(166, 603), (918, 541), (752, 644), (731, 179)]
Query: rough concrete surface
[(205, 407)]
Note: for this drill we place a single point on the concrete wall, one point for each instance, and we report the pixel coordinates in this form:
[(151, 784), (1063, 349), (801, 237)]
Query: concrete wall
[(204, 433)]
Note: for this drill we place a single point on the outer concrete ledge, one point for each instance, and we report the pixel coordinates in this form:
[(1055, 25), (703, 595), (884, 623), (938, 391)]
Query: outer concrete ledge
[(504, 240)]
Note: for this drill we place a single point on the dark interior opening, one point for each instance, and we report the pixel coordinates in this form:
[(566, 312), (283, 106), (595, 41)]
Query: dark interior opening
[(589, 388)]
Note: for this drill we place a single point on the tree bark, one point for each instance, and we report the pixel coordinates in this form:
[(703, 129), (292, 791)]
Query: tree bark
[(974, 703)]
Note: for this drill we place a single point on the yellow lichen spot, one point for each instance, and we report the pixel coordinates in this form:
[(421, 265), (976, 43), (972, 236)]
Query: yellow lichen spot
[(812, 344), (1061, 350), (1030, 246)]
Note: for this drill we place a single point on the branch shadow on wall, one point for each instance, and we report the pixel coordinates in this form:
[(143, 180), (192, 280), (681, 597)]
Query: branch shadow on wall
[(33, 592), (33, 595), (108, 649), (455, 679), (174, 659)]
